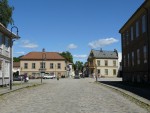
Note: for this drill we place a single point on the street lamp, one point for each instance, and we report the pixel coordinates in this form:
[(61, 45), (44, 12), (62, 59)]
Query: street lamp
[(11, 44), (43, 58)]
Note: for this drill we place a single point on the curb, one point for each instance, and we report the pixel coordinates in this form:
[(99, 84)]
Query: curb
[(142, 102), (13, 90)]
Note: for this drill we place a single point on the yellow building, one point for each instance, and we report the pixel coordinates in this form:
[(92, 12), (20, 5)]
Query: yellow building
[(103, 63), (34, 63)]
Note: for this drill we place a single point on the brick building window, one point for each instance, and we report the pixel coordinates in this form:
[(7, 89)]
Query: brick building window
[(128, 59), (33, 65), (59, 65), (137, 28), (25, 65), (123, 40), (51, 65), (132, 58), (145, 54), (98, 62), (124, 59), (143, 23), (132, 36), (127, 37), (138, 56)]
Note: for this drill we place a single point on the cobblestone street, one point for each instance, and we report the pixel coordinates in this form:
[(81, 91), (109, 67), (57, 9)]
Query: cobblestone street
[(67, 96)]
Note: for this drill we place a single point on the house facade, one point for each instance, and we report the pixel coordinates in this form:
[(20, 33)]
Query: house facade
[(135, 36), (34, 63), (6, 38), (104, 63)]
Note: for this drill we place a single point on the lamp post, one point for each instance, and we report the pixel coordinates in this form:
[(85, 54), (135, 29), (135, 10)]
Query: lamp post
[(43, 58), (11, 44)]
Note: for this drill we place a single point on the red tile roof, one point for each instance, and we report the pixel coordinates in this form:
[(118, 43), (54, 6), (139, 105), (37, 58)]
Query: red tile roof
[(38, 56), (16, 64)]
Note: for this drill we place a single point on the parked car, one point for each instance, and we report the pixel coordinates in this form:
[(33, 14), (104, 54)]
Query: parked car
[(47, 76), (77, 77), (18, 78)]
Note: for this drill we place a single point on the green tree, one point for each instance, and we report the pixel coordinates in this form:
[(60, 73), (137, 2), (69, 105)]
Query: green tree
[(68, 56), (17, 59), (78, 65), (6, 12)]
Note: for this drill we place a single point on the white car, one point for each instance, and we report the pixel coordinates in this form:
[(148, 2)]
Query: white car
[(49, 76)]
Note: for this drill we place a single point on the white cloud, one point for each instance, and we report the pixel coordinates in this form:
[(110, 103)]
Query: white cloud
[(22, 52), (102, 42), (80, 56), (28, 44), (72, 46)]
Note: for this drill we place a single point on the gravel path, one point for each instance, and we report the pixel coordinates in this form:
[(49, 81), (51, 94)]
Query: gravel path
[(67, 96)]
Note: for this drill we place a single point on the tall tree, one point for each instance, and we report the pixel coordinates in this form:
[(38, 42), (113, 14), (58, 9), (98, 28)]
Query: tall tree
[(78, 65), (68, 56), (6, 12), (17, 59)]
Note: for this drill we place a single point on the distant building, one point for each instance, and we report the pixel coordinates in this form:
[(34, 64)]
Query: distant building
[(6, 38), (135, 36), (51, 62), (16, 68), (103, 62)]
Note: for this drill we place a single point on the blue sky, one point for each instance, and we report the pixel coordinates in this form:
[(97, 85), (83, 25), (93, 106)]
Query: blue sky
[(76, 26)]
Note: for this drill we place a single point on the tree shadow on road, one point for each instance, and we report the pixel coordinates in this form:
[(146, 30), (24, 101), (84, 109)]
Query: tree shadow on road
[(142, 90)]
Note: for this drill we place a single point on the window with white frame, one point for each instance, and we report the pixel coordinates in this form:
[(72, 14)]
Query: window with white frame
[(138, 56), (114, 63), (25, 65), (114, 72), (145, 54), (51, 65), (137, 28), (42, 65), (7, 43), (98, 62), (106, 63), (143, 23), (59, 66), (132, 58), (106, 71), (33, 65), (131, 33)]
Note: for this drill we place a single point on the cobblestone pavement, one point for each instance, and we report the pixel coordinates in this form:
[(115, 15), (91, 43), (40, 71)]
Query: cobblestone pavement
[(67, 96)]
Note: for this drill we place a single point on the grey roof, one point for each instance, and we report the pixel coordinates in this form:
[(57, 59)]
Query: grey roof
[(104, 54)]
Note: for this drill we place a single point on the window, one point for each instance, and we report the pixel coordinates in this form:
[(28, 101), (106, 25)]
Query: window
[(25, 65), (59, 65), (106, 63), (114, 63), (98, 62), (131, 33), (33, 65), (137, 29), (127, 37), (1, 40), (1, 65), (98, 71), (132, 58), (128, 59), (124, 63), (7, 43), (42, 65), (51, 66), (138, 56), (106, 71), (145, 54), (123, 39), (143, 24), (114, 72)]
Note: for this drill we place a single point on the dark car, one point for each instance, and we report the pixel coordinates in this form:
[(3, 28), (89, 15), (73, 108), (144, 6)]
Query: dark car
[(19, 78)]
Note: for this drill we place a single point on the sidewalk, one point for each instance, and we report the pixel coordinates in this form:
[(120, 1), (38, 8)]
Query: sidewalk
[(18, 85), (138, 93)]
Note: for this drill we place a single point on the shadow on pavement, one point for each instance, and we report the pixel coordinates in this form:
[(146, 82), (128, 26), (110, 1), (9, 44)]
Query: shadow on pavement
[(142, 90)]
